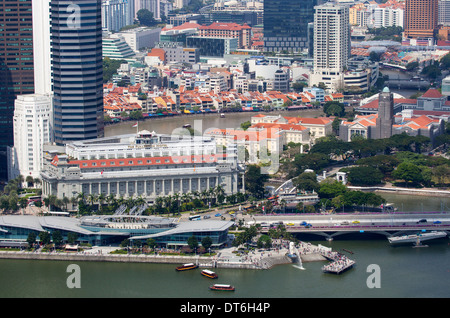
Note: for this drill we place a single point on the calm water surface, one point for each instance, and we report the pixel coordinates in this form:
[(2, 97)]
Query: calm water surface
[(404, 272)]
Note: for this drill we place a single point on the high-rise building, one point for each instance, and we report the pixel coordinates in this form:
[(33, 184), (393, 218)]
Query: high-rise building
[(32, 129), (41, 47), (116, 14), (76, 42), (286, 24), (421, 18), (331, 45), (16, 66), (444, 12)]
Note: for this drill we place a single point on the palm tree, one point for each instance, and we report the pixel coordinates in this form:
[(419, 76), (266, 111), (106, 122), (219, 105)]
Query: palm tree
[(81, 196), (92, 198)]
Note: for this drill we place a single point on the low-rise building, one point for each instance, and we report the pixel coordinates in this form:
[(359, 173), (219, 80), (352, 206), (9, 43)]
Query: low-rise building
[(144, 164)]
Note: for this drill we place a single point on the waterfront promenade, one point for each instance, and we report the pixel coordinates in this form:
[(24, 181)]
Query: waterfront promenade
[(225, 258)]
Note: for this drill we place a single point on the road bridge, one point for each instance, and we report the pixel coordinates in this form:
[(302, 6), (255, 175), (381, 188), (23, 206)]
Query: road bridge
[(333, 225)]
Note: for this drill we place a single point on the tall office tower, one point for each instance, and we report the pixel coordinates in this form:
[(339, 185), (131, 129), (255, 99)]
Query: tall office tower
[(421, 18), (385, 120), (444, 12), (16, 67), (286, 24), (331, 45), (76, 41)]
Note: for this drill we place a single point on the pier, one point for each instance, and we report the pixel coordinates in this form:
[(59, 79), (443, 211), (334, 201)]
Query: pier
[(339, 263)]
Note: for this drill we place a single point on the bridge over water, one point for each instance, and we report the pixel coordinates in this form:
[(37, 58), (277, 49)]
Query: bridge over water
[(333, 225)]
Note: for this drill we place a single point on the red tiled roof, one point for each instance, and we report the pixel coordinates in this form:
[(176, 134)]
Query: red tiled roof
[(145, 161), (224, 26), (432, 93)]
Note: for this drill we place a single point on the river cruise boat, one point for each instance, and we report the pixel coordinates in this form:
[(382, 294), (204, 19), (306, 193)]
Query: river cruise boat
[(209, 274), (222, 287), (414, 238), (186, 267)]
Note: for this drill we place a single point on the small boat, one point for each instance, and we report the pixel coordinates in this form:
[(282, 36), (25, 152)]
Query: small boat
[(209, 274), (186, 126), (222, 115), (221, 287), (186, 267)]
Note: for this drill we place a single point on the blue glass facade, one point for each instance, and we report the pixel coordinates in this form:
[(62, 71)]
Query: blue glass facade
[(286, 24)]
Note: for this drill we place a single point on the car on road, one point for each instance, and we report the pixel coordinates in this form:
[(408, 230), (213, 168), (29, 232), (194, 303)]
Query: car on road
[(304, 223), (422, 221), (290, 224), (218, 214), (356, 222)]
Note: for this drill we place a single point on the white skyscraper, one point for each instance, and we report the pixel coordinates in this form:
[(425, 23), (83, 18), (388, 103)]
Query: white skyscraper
[(32, 129), (41, 47), (331, 45)]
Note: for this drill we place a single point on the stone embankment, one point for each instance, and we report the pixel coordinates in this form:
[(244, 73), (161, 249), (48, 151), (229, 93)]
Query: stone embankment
[(227, 258)]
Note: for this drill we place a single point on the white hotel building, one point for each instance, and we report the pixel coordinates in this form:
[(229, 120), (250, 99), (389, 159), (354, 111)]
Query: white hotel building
[(331, 45), (33, 119), (144, 164)]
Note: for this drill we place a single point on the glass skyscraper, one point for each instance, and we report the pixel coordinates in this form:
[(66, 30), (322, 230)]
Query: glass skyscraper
[(286, 24), (16, 67), (76, 39)]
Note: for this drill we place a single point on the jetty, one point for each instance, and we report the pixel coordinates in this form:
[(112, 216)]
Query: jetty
[(339, 262)]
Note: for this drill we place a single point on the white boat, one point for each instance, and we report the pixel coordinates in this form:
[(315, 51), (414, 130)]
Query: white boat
[(414, 238)]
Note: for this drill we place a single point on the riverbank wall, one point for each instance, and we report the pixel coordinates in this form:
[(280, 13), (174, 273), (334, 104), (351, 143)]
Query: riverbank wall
[(210, 262)]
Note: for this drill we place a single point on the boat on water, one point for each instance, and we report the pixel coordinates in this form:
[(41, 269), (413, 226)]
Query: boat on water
[(186, 267), (209, 274), (222, 287), (414, 238), (186, 126), (222, 115)]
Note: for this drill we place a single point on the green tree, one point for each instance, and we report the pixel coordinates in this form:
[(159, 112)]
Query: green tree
[(44, 237), (408, 172), (145, 17), (72, 238), (207, 242), (306, 181), (57, 238), (254, 181), (331, 189), (31, 239), (364, 176), (192, 242)]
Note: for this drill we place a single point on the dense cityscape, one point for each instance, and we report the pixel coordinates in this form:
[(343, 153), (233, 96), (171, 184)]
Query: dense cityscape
[(124, 121)]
